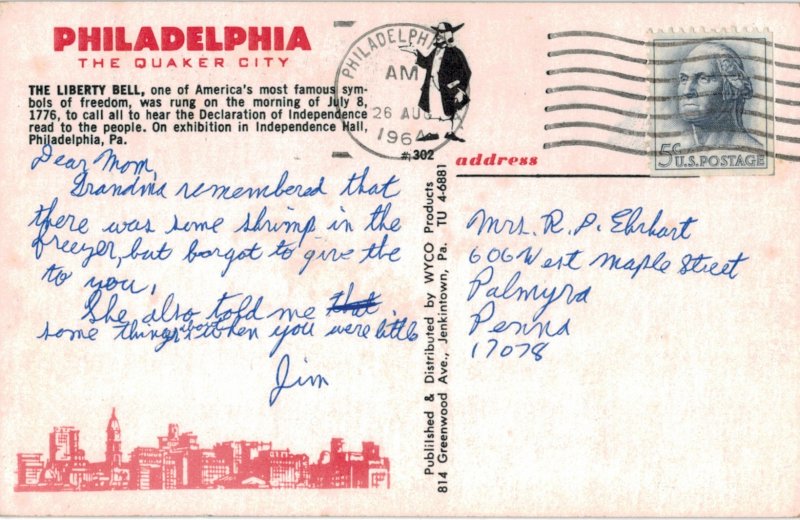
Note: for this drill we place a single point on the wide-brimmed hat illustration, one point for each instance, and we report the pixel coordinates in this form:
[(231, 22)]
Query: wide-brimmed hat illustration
[(446, 27)]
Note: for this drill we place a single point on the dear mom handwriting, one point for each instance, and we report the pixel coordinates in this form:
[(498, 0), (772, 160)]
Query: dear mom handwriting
[(137, 178)]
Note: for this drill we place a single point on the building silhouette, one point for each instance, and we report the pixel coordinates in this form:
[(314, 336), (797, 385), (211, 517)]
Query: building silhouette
[(338, 468), (179, 462), (113, 441)]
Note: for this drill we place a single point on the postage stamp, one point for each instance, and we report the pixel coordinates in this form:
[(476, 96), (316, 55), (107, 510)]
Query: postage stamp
[(414, 82), (712, 103)]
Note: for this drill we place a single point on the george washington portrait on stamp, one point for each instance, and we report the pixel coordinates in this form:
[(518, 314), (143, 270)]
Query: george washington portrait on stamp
[(712, 103), (713, 89)]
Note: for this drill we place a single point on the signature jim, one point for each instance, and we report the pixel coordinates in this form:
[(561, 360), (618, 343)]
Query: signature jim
[(282, 376)]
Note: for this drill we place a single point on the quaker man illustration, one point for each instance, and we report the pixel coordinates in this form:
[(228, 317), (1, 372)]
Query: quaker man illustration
[(713, 88), (447, 74)]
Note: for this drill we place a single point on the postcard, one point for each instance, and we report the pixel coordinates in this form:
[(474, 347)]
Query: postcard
[(400, 259)]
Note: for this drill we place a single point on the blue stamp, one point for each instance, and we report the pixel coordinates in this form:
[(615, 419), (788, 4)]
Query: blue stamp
[(712, 104)]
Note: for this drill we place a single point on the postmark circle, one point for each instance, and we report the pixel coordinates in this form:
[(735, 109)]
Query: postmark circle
[(378, 73)]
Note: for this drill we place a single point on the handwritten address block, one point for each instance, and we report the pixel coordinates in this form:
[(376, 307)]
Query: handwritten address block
[(399, 259)]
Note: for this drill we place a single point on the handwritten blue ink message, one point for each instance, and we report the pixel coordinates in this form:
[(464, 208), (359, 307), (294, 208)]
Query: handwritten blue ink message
[(286, 231)]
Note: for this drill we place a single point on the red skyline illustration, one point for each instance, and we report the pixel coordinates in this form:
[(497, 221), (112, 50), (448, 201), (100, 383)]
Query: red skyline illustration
[(180, 463)]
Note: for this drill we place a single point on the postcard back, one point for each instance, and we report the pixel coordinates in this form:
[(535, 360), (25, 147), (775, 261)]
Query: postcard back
[(509, 259)]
